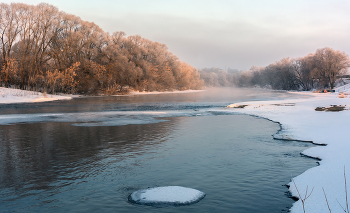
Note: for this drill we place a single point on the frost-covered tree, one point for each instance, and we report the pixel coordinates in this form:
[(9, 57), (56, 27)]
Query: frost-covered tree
[(330, 65), (317, 70), (43, 48)]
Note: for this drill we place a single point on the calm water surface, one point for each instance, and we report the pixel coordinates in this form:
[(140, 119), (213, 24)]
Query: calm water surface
[(80, 156)]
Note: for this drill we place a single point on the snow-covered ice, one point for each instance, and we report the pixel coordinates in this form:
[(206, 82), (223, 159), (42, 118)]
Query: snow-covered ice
[(300, 121), (173, 195), (8, 95)]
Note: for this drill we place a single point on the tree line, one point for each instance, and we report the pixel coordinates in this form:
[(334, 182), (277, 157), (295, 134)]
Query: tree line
[(44, 49), (216, 77), (320, 70)]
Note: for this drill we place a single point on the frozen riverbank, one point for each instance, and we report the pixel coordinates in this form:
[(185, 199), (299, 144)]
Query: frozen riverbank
[(8, 95), (300, 121)]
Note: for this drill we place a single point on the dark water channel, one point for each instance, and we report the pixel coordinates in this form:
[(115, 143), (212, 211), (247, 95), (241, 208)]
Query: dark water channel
[(78, 156)]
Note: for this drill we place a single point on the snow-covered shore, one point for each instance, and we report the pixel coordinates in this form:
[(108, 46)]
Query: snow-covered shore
[(8, 95), (300, 121)]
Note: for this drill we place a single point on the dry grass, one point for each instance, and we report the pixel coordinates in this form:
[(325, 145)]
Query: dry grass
[(307, 195), (329, 208), (240, 106), (332, 108), (286, 104), (346, 207), (303, 199)]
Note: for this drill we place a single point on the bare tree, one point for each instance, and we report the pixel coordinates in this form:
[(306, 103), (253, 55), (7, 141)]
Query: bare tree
[(330, 65), (303, 69), (9, 30)]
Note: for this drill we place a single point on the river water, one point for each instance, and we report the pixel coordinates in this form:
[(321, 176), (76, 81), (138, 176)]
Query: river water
[(89, 154)]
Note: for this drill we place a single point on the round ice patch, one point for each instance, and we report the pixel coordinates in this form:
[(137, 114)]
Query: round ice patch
[(169, 195)]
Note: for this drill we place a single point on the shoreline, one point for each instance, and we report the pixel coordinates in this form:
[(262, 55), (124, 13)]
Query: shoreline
[(13, 96), (300, 122)]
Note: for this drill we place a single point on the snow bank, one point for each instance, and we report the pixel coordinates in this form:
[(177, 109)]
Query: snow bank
[(343, 88), (171, 195), (8, 95), (300, 121)]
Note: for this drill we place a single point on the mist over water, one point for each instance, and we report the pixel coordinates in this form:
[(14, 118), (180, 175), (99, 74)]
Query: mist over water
[(134, 109), (81, 156)]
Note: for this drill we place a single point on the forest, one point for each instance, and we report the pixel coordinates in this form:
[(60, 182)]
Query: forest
[(320, 70), (323, 69), (47, 50)]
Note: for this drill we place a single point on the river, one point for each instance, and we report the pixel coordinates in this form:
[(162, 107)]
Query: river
[(89, 154)]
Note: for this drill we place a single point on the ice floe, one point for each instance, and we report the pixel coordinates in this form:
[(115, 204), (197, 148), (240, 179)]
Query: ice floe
[(167, 195)]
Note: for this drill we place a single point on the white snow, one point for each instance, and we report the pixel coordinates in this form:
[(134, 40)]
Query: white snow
[(342, 88), (176, 195), (8, 95), (300, 121)]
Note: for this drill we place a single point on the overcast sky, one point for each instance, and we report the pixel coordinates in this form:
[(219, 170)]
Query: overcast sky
[(223, 33)]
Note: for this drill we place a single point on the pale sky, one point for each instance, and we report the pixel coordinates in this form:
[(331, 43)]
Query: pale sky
[(223, 33)]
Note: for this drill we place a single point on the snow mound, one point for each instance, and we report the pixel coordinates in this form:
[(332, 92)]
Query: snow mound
[(169, 195)]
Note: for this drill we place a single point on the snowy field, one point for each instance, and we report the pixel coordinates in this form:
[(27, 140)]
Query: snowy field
[(300, 121), (8, 95)]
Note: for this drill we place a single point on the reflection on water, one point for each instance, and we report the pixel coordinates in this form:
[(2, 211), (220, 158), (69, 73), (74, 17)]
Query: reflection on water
[(35, 155), (138, 109), (214, 97), (50, 166)]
